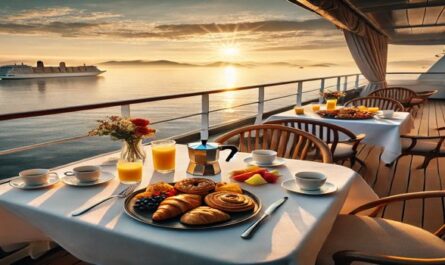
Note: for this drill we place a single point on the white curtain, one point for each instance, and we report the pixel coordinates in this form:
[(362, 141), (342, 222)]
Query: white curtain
[(368, 46), (370, 53)]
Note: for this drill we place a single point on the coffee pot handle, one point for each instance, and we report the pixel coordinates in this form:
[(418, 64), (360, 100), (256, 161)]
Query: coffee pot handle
[(233, 149)]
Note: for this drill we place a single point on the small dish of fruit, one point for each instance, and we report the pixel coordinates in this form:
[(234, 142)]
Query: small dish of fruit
[(255, 175)]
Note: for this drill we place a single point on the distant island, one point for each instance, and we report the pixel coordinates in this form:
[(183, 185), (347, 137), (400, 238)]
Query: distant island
[(169, 63)]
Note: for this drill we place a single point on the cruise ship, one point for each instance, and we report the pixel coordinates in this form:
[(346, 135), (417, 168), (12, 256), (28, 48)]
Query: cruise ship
[(23, 71)]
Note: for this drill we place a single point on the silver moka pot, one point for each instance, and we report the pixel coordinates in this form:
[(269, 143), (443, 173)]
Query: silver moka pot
[(204, 157)]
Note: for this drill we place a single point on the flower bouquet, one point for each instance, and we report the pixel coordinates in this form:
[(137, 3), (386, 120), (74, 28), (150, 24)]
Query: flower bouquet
[(131, 131)]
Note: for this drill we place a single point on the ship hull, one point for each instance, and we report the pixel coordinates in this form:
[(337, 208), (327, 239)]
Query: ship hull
[(48, 75)]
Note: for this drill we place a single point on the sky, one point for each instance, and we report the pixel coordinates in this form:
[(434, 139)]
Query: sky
[(93, 31)]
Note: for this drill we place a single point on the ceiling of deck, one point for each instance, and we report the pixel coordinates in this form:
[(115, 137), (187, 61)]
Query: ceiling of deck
[(406, 21)]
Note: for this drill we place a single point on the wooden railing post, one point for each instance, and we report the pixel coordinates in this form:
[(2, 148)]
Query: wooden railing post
[(338, 82), (259, 115), (345, 84), (320, 98), (357, 81), (125, 111), (205, 116), (299, 93)]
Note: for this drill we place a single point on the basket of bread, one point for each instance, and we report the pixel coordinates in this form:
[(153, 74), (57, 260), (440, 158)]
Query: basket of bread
[(192, 203), (346, 114)]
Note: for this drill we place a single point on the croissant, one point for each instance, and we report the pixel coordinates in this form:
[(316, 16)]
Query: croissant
[(204, 215), (175, 206)]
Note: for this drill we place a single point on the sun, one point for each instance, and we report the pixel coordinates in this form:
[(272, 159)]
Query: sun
[(230, 51)]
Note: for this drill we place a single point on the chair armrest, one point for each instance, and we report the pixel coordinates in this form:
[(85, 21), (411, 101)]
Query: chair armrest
[(421, 137), (380, 203), (356, 141), (346, 257)]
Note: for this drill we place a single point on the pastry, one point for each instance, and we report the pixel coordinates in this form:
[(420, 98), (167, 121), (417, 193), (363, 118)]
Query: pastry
[(175, 206), (229, 201), (233, 187), (157, 189), (204, 215), (200, 186)]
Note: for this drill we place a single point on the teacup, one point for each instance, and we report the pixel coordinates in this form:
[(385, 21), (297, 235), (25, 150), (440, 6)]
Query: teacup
[(85, 173), (263, 156), (310, 180), (387, 114), (36, 177)]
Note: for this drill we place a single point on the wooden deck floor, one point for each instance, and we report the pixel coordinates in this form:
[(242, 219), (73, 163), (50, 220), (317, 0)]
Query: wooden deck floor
[(401, 177)]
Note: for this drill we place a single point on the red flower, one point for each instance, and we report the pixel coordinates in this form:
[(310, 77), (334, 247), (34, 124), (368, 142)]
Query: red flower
[(143, 131), (140, 122)]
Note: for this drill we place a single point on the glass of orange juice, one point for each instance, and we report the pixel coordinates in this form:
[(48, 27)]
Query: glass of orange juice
[(299, 110), (129, 172), (331, 104), (315, 107), (164, 154)]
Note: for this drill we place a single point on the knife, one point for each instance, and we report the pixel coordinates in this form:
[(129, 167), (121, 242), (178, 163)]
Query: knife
[(251, 230)]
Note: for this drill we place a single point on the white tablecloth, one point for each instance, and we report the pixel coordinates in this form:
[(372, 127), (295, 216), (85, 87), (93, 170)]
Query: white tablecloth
[(380, 132), (292, 235)]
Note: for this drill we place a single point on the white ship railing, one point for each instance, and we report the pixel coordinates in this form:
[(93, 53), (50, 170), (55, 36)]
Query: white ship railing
[(341, 82)]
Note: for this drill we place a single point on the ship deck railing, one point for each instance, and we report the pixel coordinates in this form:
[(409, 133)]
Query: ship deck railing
[(302, 88)]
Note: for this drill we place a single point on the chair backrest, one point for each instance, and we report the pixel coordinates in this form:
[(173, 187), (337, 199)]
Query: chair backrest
[(327, 132), (288, 142), (401, 94), (380, 102)]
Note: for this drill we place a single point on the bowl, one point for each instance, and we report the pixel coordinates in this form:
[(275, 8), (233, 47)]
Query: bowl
[(310, 180), (263, 156)]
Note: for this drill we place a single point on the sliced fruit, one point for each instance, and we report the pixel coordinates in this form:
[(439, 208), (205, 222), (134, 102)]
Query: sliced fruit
[(256, 180), (270, 177), (245, 170), (243, 177)]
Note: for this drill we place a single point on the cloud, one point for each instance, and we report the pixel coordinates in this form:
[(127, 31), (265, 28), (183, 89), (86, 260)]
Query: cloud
[(265, 34)]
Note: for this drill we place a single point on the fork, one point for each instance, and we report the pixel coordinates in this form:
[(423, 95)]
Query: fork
[(123, 194)]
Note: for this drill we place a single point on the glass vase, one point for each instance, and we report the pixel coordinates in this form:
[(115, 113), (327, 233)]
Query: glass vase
[(133, 151)]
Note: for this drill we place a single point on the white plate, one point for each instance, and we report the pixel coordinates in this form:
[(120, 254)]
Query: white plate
[(73, 181), (277, 162), (291, 185), (20, 183)]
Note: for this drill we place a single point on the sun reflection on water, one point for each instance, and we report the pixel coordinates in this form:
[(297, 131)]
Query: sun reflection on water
[(230, 76)]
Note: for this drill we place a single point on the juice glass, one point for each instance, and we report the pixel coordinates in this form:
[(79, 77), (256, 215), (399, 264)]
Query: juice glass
[(129, 172), (331, 104), (299, 110), (164, 153), (315, 107)]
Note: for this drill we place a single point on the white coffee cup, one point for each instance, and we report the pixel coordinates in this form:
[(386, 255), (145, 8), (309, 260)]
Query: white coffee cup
[(310, 180), (36, 176), (85, 173), (387, 114), (263, 156)]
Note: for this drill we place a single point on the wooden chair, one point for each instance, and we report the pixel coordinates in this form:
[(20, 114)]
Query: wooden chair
[(429, 147), (406, 96), (361, 238), (380, 102), (342, 142), (288, 142)]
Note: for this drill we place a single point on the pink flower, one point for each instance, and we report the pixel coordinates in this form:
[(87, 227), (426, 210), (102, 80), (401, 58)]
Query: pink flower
[(140, 122)]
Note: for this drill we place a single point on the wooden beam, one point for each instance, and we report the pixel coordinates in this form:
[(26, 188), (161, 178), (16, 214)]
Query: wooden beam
[(385, 6)]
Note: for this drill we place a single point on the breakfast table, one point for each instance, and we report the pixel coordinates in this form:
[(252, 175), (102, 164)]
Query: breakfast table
[(379, 131), (294, 234)]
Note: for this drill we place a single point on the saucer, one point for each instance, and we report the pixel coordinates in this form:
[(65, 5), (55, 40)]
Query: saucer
[(277, 162), (20, 183), (291, 185), (73, 181)]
